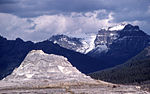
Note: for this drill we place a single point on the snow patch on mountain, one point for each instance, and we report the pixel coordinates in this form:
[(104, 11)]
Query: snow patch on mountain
[(117, 27), (82, 44), (90, 41), (101, 48)]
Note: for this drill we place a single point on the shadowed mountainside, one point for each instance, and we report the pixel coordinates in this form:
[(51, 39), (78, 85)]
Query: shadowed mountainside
[(136, 70)]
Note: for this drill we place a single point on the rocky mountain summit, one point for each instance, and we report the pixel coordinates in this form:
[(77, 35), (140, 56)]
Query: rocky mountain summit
[(118, 46), (49, 73), (121, 37), (83, 44), (72, 43)]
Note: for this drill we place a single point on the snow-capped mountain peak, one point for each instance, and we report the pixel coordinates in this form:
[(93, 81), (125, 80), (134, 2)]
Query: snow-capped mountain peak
[(117, 27), (82, 45)]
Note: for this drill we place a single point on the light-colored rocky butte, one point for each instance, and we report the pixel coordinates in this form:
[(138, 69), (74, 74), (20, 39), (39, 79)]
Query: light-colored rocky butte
[(52, 74), (40, 66)]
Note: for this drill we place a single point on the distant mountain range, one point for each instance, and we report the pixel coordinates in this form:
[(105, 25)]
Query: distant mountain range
[(114, 45)]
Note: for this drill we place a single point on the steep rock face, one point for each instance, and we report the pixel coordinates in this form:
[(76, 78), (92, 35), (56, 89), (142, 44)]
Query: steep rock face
[(75, 44), (120, 45), (103, 40), (105, 37), (40, 66)]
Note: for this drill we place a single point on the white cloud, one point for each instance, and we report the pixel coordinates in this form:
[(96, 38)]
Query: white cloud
[(42, 27), (12, 26), (148, 10)]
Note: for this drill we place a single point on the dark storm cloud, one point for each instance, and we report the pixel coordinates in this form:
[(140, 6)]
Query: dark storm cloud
[(35, 7), (7, 1), (137, 10), (128, 10), (39, 7)]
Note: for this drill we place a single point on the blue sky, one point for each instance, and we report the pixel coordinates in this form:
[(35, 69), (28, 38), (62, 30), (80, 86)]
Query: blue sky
[(39, 19)]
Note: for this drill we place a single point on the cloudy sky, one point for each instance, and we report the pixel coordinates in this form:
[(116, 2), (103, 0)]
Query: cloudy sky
[(39, 19)]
